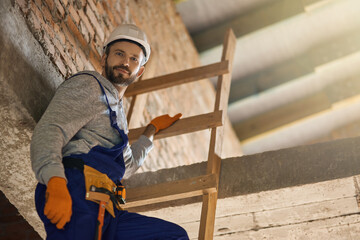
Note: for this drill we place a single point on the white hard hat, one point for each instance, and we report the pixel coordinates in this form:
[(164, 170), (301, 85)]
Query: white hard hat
[(130, 32)]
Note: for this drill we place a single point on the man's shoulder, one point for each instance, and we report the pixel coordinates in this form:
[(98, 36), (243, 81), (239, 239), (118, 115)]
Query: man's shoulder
[(84, 75), (82, 79), (80, 83)]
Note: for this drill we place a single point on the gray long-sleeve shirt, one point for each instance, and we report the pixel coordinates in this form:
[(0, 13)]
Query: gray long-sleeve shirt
[(76, 120)]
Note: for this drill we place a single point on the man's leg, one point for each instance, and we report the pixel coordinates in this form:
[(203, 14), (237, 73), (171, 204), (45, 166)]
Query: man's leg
[(139, 227)]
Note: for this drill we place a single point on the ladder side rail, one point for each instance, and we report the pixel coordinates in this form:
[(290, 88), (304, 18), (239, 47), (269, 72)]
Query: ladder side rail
[(207, 220)]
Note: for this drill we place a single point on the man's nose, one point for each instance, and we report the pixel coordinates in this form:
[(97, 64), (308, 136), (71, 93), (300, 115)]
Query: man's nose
[(125, 61)]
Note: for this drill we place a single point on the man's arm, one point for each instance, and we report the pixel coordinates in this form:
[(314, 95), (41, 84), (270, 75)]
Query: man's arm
[(150, 132), (68, 111), (135, 155)]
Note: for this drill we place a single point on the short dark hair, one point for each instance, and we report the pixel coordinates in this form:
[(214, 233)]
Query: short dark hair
[(107, 50)]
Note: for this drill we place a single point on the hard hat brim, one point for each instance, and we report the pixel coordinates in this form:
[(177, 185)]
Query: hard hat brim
[(139, 41)]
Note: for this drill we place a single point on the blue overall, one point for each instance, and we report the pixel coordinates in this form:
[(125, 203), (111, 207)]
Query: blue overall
[(83, 222)]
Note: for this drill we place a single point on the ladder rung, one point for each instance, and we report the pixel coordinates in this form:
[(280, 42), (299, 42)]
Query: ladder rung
[(171, 190), (183, 126), (178, 78)]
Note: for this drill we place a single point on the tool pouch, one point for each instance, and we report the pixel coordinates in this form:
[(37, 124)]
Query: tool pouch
[(95, 178)]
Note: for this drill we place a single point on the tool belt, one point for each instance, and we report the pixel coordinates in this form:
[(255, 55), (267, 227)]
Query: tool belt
[(98, 182)]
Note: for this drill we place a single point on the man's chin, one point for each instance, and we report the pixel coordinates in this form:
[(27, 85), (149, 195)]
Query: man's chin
[(121, 82)]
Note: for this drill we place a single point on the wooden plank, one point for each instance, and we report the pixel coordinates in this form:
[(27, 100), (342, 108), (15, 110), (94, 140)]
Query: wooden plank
[(207, 221), (177, 78), (171, 190), (208, 211), (183, 126)]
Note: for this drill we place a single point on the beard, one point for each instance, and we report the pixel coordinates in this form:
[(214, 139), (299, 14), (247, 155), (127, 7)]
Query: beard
[(119, 79)]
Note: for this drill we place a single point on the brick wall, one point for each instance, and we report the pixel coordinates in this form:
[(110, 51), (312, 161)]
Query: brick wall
[(71, 32)]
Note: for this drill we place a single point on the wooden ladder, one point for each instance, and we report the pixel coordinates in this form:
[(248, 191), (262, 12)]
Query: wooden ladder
[(206, 185)]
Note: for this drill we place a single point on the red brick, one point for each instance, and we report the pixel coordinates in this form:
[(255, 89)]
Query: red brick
[(49, 46), (98, 43), (65, 2), (117, 15), (79, 62), (95, 61), (95, 50), (59, 34), (95, 23), (59, 46), (80, 4), (60, 65), (107, 32), (109, 14), (74, 14), (77, 34), (68, 35), (24, 6), (59, 8), (37, 12), (47, 15), (85, 19), (49, 30), (65, 58), (50, 4), (100, 7), (93, 7), (72, 67), (85, 32), (38, 3), (70, 50), (83, 57)]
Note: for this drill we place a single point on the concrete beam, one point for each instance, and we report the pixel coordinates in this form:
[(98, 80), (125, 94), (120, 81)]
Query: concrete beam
[(333, 49), (266, 171), (283, 115), (299, 109), (297, 99), (263, 16)]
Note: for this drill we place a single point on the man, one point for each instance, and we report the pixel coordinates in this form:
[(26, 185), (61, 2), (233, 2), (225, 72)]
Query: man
[(81, 141)]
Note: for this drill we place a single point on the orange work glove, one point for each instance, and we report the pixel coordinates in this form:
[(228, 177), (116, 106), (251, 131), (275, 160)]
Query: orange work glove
[(164, 121), (58, 202)]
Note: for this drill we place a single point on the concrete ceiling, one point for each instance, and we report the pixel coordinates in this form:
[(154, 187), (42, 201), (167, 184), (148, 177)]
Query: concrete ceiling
[(296, 70)]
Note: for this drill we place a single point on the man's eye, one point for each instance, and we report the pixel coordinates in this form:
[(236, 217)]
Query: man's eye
[(119, 53), (134, 59)]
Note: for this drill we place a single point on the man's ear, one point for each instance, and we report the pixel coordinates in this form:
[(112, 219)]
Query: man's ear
[(103, 60), (140, 72)]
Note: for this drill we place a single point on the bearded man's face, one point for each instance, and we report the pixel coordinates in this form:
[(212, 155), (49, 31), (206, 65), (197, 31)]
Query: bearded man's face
[(122, 64)]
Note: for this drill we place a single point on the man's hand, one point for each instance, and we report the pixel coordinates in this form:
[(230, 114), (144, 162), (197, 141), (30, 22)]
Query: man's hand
[(58, 202), (164, 121)]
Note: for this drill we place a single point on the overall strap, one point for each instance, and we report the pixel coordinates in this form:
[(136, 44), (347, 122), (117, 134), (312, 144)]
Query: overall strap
[(112, 114)]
